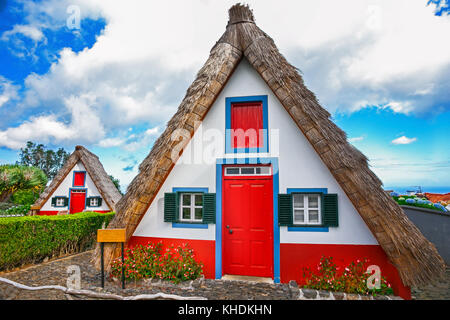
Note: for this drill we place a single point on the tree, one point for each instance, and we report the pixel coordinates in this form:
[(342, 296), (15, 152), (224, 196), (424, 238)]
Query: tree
[(116, 183), (49, 161), (17, 177)]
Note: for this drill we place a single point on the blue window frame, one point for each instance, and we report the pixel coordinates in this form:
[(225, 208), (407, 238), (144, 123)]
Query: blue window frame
[(189, 225), (84, 179), (228, 103), (308, 228)]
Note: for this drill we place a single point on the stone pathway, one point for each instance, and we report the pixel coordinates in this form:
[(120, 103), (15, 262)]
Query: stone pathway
[(55, 273), (439, 291)]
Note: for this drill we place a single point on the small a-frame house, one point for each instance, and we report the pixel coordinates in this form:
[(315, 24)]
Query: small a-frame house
[(82, 184), (256, 178)]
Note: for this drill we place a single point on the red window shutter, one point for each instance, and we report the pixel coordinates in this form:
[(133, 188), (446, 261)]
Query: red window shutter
[(78, 179), (247, 125)]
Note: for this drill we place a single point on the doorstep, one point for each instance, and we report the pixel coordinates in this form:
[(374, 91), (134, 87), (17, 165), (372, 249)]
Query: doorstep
[(231, 277)]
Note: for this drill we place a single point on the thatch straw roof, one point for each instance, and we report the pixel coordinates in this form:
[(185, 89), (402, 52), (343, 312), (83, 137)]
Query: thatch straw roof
[(94, 168), (416, 259)]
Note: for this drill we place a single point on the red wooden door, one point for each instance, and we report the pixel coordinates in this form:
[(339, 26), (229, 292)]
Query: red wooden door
[(247, 226), (77, 201)]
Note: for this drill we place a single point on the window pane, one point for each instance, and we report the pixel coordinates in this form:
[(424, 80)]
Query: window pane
[(232, 170), (198, 213), (313, 216), (187, 213), (198, 200), (264, 170), (299, 216), (247, 170), (186, 199), (313, 201), (298, 201)]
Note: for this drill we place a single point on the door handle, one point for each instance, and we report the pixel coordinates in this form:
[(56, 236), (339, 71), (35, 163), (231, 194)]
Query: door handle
[(230, 231)]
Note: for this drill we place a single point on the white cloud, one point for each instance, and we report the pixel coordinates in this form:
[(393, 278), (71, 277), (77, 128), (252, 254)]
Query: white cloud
[(404, 140), (8, 91), (353, 55), (356, 139), (28, 31)]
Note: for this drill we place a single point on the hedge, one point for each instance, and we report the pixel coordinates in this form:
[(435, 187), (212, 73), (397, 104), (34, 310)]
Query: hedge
[(30, 239)]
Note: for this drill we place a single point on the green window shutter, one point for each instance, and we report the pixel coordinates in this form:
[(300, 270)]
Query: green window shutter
[(88, 202), (53, 201), (209, 208), (99, 202), (66, 201), (170, 207), (285, 209), (330, 210)]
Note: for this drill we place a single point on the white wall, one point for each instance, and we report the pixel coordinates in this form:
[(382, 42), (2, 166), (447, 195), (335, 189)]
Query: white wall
[(63, 190), (300, 167)]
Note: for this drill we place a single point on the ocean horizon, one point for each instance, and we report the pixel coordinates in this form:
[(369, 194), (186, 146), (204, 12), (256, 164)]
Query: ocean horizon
[(404, 189)]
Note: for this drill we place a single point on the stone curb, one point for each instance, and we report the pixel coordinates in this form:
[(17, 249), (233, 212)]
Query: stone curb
[(311, 294)]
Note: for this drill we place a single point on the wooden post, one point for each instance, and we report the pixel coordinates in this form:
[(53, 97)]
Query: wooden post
[(102, 245), (111, 235), (123, 268)]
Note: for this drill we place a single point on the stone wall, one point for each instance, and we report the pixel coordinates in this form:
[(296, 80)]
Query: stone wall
[(311, 294)]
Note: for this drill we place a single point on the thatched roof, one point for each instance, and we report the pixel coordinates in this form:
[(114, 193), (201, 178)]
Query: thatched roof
[(416, 259), (94, 168)]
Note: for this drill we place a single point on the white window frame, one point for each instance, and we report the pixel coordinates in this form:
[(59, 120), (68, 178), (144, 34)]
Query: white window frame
[(248, 174), (192, 207), (60, 202), (306, 209), (91, 204)]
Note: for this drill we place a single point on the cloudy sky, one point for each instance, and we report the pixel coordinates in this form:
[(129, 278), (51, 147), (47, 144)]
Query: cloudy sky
[(109, 74)]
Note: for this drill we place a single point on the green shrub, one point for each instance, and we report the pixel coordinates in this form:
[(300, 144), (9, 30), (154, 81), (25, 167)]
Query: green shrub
[(25, 197), (29, 239), (175, 264), (16, 210)]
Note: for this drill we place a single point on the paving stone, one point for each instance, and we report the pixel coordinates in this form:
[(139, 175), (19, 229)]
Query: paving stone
[(309, 293), (54, 272), (338, 295)]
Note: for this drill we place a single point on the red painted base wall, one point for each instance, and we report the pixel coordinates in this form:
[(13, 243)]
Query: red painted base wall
[(54, 213), (204, 250), (293, 257)]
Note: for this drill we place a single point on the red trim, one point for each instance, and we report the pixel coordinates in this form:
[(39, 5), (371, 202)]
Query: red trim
[(54, 213), (293, 257), (47, 213), (204, 250)]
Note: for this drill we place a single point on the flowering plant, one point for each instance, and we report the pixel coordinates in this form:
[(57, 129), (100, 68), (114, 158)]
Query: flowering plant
[(353, 278), (176, 263)]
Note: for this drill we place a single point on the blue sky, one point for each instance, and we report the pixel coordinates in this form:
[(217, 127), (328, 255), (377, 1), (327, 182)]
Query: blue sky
[(382, 69)]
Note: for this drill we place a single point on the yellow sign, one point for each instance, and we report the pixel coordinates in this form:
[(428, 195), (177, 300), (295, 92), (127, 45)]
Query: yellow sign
[(111, 235)]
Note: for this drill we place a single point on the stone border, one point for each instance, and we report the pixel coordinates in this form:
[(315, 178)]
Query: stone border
[(311, 294), (185, 285)]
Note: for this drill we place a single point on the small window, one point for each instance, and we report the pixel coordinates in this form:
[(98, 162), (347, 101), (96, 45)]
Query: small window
[(306, 209), (247, 125), (191, 207), (94, 202), (60, 202), (248, 171), (79, 179)]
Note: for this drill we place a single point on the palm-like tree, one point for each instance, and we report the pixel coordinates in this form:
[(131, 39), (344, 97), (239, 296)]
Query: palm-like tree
[(17, 177)]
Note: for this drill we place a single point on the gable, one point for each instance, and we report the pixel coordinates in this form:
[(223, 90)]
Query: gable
[(64, 187), (299, 167)]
